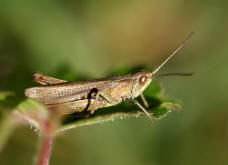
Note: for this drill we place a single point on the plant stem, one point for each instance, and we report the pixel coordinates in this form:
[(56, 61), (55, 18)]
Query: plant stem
[(45, 150)]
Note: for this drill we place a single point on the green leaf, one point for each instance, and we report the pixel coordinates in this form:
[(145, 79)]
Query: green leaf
[(6, 128), (31, 111), (6, 123), (5, 94), (15, 111)]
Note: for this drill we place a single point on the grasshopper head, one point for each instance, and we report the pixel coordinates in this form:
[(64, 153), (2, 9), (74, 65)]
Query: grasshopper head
[(141, 80)]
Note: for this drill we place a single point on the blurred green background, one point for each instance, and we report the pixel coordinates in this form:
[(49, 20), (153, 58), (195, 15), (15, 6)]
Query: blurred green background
[(64, 37)]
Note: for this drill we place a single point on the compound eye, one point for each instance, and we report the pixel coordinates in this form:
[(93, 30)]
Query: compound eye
[(142, 80)]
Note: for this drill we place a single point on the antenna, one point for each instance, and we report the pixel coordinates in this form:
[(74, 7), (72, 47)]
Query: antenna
[(175, 51), (175, 74)]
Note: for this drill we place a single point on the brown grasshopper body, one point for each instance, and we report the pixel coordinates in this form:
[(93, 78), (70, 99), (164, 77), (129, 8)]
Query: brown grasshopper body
[(116, 88), (94, 94)]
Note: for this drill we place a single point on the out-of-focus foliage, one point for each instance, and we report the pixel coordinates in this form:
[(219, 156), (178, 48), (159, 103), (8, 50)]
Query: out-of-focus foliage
[(92, 38)]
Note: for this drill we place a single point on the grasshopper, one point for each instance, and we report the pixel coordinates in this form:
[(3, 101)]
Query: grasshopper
[(94, 94)]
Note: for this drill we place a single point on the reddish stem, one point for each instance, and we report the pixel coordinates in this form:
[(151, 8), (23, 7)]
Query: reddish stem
[(45, 150)]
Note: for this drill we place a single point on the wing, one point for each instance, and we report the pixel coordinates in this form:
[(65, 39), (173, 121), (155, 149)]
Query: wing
[(67, 92)]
